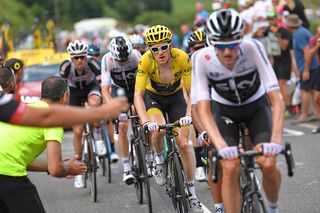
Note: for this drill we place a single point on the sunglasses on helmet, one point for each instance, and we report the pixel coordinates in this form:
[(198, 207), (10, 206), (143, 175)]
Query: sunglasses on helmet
[(162, 48)]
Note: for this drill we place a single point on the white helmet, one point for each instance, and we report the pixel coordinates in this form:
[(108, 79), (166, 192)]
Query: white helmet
[(224, 24), (120, 48), (77, 48), (136, 39)]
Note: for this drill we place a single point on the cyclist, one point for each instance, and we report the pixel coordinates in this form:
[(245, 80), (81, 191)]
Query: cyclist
[(82, 74), (196, 41), (119, 68), (94, 51), (137, 42), (162, 73), (240, 77), (19, 148)]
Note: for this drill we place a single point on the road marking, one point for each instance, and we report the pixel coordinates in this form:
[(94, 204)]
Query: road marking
[(206, 210), (307, 125), (291, 132)]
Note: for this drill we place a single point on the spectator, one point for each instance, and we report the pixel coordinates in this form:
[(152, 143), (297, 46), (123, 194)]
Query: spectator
[(297, 7), (201, 12), (20, 146), (282, 61), (7, 80), (278, 8), (307, 65), (2, 58), (185, 29), (315, 51), (17, 66)]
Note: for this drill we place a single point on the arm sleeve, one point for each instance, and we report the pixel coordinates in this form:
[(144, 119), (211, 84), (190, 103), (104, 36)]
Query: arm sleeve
[(187, 72), (105, 73), (142, 75), (199, 88), (65, 69), (260, 59)]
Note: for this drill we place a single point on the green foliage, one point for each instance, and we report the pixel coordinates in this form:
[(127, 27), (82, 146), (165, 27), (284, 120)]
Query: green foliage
[(155, 17)]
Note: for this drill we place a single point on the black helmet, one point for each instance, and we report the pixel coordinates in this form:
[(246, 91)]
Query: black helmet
[(197, 37)]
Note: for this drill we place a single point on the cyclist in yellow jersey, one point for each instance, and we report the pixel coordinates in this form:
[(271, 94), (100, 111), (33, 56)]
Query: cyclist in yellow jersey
[(163, 72)]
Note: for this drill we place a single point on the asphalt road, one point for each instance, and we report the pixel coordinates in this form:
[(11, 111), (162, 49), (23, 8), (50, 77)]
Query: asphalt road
[(298, 194)]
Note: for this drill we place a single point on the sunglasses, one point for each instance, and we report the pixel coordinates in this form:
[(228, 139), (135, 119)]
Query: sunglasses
[(230, 45), (198, 47), (76, 58), (162, 48)]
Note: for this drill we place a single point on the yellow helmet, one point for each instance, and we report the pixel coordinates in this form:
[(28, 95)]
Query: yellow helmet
[(157, 34)]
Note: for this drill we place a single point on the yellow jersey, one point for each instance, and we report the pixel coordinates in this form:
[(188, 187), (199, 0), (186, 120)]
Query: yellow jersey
[(148, 76)]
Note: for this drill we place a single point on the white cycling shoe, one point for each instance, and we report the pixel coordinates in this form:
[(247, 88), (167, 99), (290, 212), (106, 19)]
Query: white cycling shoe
[(79, 181), (101, 148), (128, 178)]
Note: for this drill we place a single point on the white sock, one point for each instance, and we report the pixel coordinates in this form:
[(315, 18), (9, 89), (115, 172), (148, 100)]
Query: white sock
[(219, 208), (126, 164), (97, 133), (192, 189), (272, 207), (159, 158)]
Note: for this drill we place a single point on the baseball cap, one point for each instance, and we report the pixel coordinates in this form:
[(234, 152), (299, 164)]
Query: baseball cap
[(6, 76)]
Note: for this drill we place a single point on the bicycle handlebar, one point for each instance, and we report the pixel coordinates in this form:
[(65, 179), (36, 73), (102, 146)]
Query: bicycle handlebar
[(287, 152), (116, 124)]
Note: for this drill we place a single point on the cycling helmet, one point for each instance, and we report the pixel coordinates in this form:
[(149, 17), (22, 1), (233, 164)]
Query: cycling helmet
[(224, 24), (197, 37), (77, 48), (120, 48), (157, 34), (93, 49), (136, 39)]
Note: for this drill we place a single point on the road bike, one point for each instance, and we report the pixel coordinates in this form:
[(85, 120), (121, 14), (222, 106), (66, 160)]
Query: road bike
[(176, 186), (138, 147), (252, 200)]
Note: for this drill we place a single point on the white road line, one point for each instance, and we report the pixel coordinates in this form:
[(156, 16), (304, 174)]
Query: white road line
[(206, 210), (307, 125), (291, 132)]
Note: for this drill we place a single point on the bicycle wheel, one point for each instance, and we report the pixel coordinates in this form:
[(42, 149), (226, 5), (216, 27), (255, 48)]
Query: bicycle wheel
[(105, 161), (141, 156), (92, 170), (136, 171), (254, 205), (180, 195)]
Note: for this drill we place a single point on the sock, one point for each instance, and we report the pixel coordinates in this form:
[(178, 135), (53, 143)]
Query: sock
[(159, 158), (192, 189), (112, 147), (197, 152), (219, 208), (126, 164), (273, 207)]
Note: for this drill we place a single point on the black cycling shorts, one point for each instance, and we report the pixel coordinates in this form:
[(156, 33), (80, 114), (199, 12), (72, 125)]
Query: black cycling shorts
[(174, 105), (256, 115), (129, 94), (78, 96)]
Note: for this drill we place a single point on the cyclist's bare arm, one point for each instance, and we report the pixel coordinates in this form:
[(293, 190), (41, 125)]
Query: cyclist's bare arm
[(140, 105), (195, 118), (57, 115), (278, 108), (210, 125)]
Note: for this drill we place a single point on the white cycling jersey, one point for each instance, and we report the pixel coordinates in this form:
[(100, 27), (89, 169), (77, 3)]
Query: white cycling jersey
[(251, 77), (121, 74)]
